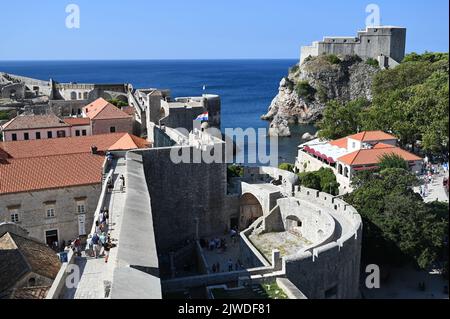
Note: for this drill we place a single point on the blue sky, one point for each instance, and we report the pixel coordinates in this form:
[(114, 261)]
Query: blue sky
[(204, 29)]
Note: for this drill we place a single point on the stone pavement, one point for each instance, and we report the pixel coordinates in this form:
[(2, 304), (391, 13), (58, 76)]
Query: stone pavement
[(96, 275), (436, 190)]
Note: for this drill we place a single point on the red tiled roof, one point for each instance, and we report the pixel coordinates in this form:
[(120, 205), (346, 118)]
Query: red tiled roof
[(49, 172), (61, 146), (56, 163), (128, 109), (78, 121), (341, 143), (372, 136), (101, 109), (372, 156)]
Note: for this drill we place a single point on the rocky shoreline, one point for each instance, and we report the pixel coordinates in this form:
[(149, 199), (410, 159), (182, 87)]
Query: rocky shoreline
[(303, 94)]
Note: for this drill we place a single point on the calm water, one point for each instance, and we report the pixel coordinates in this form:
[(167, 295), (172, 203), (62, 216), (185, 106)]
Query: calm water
[(246, 86)]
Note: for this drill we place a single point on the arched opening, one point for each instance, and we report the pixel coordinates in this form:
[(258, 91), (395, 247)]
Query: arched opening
[(340, 169), (73, 95), (346, 172), (293, 225), (31, 282), (249, 211)]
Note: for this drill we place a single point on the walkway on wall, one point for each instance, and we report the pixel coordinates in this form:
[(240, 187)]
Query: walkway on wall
[(96, 275)]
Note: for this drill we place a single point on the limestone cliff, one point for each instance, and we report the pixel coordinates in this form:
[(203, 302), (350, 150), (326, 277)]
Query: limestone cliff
[(304, 93)]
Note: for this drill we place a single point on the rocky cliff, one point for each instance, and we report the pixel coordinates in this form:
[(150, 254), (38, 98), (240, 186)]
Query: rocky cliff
[(303, 94)]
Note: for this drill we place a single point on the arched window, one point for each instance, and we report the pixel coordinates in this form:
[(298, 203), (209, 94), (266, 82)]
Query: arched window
[(346, 172), (73, 95), (31, 282)]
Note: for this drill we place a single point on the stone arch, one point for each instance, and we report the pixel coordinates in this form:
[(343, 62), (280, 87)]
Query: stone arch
[(122, 98), (293, 223), (73, 95), (250, 209), (106, 96)]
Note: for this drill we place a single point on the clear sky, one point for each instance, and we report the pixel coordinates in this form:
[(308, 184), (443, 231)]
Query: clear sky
[(204, 29)]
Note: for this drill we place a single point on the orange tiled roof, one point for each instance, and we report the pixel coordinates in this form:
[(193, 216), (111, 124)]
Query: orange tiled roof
[(56, 163), (372, 136), (77, 121), (128, 109), (341, 143), (49, 172), (372, 156), (61, 146), (128, 140), (101, 109)]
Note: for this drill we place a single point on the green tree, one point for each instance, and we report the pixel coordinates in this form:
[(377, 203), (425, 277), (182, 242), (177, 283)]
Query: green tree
[(322, 180), (399, 226), (392, 160), (235, 171), (342, 119), (118, 103)]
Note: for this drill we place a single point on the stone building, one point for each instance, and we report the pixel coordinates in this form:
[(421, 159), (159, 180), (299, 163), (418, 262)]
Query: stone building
[(107, 118), (386, 44), (51, 187), (348, 155), (27, 266), (35, 127)]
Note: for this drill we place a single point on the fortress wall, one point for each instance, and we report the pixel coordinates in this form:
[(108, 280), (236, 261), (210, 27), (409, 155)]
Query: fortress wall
[(332, 271), (183, 192)]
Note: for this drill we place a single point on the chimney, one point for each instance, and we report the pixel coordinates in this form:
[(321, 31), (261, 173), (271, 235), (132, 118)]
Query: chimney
[(94, 149)]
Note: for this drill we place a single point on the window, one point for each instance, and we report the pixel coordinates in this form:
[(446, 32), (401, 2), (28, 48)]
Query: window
[(81, 207), (31, 282), (73, 95), (83, 132), (77, 133), (38, 135), (61, 134), (14, 215), (79, 111), (112, 129), (85, 95), (368, 41), (79, 96), (26, 136), (353, 144), (49, 134), (50, 211), (14, 136)]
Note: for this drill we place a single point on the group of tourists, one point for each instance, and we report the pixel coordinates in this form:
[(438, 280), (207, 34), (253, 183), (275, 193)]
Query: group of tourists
[(99, 243), (231, 266), (110, 184)]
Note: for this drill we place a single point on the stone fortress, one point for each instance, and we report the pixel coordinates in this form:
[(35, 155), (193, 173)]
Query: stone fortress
[(383, 43), (306, 241)]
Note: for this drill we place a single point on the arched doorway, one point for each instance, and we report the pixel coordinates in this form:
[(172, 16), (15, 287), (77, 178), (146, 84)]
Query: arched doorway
[(250, 210)]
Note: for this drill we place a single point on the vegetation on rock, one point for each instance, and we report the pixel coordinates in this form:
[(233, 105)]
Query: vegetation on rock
[(323, 180)]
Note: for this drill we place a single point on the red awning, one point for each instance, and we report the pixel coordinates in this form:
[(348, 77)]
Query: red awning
[(306, 148), (331, 160)]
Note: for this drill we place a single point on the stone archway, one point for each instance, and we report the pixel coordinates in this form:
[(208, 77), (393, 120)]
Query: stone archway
[(250, 209)]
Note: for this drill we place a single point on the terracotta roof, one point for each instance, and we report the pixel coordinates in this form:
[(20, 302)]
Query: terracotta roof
[(49, 172), (128, 140), (55, 163), (26, 122), (128, 109), (77, 121), (372, 136), (101, 109), (372, 156), (341, 143), (60, 146), (20, 255), (383, 145)]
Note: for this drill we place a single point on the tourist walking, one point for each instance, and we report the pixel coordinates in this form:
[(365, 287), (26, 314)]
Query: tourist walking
[(122, 183), (95, 244), (107, 247)]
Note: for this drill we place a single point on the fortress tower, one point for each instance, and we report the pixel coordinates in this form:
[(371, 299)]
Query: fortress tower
[(384, 43)]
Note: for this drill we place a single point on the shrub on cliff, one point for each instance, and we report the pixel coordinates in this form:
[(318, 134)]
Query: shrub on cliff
[(305, 90), (235, 171), (373, 62), (333, 59)]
